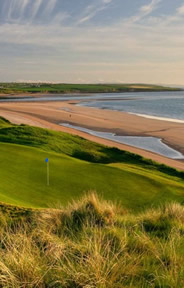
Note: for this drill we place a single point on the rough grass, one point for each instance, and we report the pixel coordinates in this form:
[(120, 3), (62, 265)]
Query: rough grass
[(92, 243)]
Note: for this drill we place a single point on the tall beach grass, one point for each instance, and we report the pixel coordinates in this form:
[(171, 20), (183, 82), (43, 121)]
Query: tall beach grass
[(92, 243)]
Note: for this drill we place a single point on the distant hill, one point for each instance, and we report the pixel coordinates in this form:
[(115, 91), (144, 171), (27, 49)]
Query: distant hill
[(17, 88)]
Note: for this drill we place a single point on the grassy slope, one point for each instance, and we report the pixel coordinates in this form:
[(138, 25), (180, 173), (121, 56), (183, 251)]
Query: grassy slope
[(23, 171), (23, 180), (8, 88)]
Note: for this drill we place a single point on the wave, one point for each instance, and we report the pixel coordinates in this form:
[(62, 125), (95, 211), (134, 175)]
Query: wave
[(158, 117)]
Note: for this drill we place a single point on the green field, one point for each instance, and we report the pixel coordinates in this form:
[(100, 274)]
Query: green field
[(16, 88), (77, 166)]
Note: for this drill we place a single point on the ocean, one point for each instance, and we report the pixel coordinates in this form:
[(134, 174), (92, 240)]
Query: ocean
[(167, 105)]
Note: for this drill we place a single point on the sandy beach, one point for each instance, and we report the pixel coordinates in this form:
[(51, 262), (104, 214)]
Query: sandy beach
[(51, 114)]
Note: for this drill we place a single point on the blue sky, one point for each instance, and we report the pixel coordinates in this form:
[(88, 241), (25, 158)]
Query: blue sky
[(85, 41)]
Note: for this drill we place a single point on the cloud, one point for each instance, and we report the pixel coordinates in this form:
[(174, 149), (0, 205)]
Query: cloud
[(92, 10), (24, 3), (107, 1), (147, 9), (13, 10), (35, 7), (25, 11), (142, 47), (91, 15), (35, 81), (51, 4), (144, 11), (10, 7), (180, 10)]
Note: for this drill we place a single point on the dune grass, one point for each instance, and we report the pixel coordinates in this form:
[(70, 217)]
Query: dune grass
[(92, 243)]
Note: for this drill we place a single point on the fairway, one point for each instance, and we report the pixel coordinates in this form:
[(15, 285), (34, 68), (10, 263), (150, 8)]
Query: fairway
[(23, 180)]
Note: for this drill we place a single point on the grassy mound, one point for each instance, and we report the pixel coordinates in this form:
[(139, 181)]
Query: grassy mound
[(92, 243)]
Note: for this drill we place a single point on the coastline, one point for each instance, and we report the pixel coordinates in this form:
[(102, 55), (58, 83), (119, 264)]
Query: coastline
[(158, 118), (148, 143), (51, 114)]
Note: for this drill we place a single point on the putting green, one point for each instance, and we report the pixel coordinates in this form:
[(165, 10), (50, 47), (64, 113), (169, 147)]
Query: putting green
[(23, 180)]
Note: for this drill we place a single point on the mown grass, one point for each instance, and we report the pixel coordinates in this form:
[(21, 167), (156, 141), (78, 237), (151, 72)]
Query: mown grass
[(14, 88), (23, 181), (92, 244)]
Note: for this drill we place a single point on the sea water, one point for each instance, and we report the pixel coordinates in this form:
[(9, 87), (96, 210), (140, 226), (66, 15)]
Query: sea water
[(167, 106), (152, 144)]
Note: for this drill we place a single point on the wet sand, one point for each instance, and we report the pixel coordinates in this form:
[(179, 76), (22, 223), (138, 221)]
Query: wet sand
[(51, 114)]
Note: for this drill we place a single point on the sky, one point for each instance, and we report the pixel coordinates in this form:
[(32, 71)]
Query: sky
[(92, 41)]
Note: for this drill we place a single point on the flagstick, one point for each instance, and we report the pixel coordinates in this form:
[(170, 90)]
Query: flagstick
[(47, 173)]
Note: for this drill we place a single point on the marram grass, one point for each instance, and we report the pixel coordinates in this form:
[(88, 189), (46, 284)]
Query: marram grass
[(92, 243)]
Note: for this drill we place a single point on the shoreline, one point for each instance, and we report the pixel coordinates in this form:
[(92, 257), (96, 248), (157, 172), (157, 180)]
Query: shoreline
[(51, 114), (176, 155), (157, 117), (147, 116)]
